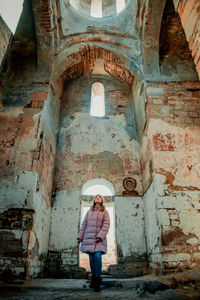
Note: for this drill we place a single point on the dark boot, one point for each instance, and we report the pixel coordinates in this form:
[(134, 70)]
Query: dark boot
[(92, 283), (97, 284)]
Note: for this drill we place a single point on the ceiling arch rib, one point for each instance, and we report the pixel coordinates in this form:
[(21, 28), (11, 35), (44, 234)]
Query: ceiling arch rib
[(84, 62), (151, 34)]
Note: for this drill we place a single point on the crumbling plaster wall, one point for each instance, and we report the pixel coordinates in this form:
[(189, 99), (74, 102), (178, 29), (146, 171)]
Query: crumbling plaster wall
[(171, 220), (130, 230), (88, 140), (26, 181), (172, 199), (27, 142), (88, 148), (169, 147), (65, 220)]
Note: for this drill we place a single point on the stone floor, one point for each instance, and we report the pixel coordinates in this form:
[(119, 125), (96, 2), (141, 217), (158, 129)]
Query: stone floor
[(179, 287)]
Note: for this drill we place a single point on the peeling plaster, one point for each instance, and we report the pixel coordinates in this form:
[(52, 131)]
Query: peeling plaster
[(65, 220), (168, 212), (19, 193), (130, 234)]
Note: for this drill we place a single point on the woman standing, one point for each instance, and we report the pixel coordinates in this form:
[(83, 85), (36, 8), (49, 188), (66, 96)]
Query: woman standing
[(93, 234)]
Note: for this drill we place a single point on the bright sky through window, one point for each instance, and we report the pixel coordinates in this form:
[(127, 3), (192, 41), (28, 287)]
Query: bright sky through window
[(10, 11), (120, 4), (98, 189), (97, 107), (96, 8)]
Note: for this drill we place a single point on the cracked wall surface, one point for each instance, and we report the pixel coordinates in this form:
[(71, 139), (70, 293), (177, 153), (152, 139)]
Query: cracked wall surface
[(172, 198), (88, 148)]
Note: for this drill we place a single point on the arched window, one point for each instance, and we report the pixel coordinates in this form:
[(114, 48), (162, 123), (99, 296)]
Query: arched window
[(98, 186), (97, 105), (120, 5), (75, 4), (96, 8)]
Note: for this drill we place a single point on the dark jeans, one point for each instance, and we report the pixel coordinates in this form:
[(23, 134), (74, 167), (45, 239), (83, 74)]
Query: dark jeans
[(96, 263)]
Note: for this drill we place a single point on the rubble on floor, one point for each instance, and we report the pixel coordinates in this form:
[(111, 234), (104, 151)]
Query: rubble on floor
[(178, 286)]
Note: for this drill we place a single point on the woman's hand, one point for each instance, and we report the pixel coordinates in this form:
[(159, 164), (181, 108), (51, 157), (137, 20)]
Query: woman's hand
[(79, 241), (98, 240)]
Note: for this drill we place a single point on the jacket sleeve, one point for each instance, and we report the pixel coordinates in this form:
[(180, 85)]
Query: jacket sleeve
[(106, 225), (83, 226)]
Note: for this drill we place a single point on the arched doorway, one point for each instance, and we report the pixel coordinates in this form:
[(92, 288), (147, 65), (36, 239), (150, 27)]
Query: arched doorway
[(89, 190)]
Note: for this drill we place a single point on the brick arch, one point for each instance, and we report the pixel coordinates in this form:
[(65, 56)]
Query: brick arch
[(82, 63)]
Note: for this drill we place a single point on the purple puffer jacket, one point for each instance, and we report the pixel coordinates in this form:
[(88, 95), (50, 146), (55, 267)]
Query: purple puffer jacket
[(95, 224)]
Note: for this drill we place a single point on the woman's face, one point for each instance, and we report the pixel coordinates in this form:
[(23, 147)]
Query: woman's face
[(98, 199)]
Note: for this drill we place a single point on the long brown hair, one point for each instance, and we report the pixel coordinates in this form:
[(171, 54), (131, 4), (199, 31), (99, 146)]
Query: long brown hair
[(102, 207)]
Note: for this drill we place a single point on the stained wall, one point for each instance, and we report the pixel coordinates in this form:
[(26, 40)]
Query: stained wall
[(91, 147), (172, 196), (27, 147)]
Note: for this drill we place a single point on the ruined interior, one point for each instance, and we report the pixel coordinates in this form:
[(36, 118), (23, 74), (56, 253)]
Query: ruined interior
[(145, 56)]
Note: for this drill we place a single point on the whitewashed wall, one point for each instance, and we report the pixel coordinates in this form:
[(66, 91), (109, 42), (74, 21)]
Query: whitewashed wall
[(130, 232)]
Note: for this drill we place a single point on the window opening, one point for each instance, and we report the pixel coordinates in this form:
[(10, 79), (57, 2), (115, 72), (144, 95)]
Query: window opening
[(75, 4), (97, 106), (120, 5), (103, 190), (98, 186), (96, 8)]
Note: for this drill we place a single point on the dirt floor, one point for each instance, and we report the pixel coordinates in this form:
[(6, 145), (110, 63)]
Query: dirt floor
[(180, 286)]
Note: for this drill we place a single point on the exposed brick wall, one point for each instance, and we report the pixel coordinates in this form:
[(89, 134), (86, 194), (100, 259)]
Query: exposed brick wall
[(86, 58), (44, 13), (43, 17), (37, 98), (173, 122), (172, 135), (120, 99), (15, 226), (22, 147), (175, 103), (25, 151), (172, 37), (189, 11)]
